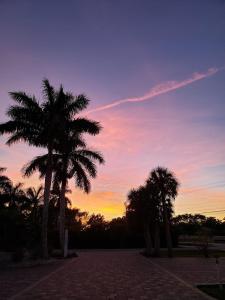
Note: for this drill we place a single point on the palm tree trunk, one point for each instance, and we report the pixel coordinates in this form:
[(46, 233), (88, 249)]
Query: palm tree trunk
[(148, 240), (157, 239), (168, 233), (62, 215), (47, 188)]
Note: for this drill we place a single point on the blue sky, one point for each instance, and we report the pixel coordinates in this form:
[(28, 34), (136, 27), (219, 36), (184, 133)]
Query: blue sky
[(118, 49)]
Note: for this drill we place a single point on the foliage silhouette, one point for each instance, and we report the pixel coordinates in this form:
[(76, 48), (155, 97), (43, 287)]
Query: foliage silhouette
[(73, 159), (166, 186), (36, 124), (151, 205), (20, 225)]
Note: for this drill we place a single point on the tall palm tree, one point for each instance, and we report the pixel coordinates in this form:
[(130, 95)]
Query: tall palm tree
[(40, 125), (156, 214), (166, 186), (79, 163), (72, 160)]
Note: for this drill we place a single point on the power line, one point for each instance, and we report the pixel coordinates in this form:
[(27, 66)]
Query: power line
[(204, 188), (203, 204), (208, 212), (213, 211)]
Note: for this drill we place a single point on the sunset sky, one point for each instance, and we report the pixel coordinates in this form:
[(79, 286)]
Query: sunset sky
[(155, 74)]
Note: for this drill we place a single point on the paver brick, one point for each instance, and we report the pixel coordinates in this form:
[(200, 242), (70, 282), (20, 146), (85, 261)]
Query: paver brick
[(119, 275)]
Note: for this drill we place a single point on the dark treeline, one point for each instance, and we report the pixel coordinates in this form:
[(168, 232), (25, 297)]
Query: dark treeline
[(191, 224), (21, 222)]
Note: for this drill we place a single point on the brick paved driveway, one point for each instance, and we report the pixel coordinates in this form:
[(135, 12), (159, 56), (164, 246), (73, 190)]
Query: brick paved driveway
[(195, 270), (110, 275), (13, 280)]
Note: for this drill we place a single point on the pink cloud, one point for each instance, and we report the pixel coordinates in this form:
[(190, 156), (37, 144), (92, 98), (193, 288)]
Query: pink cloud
[(134, 143), (160, 89)]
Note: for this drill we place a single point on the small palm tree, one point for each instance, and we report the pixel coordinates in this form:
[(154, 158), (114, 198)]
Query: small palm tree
[(40, 125), (35, 195), (34, 200), (166, 186)]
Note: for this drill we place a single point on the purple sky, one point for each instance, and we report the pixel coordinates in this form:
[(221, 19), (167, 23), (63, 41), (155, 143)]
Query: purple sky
[(163, 59)]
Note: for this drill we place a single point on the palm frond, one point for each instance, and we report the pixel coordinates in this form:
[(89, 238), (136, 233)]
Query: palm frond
[(91, 155), (84, 125), (80, 103), (39, 163), (24, 114), (48, 91), (25, 135), (4, 178), (10, 126), (89, 166), (34, 194), (24, 99), (39, 190), (18, 186), (60, 101), (81, 178)]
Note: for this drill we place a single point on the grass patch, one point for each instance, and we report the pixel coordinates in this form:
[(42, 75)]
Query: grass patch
[(197, 253), (190, 253), (213, 290)]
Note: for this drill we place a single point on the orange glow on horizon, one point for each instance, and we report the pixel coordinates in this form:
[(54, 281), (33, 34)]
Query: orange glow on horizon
[(130, 156)]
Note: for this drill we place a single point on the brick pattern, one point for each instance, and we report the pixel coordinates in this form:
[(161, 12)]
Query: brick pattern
[(13, 280), (111, 275), (194, 270)]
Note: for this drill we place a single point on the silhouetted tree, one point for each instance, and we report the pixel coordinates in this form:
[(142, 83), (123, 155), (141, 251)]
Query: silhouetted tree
[(41, 125), (73, 161), (191, 224), (21, 216), (155, 211), (96, 222), (166, 185), (151, 205), (140, 204)]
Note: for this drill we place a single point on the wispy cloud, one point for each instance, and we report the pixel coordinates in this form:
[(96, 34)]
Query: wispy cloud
[(160, 89)]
